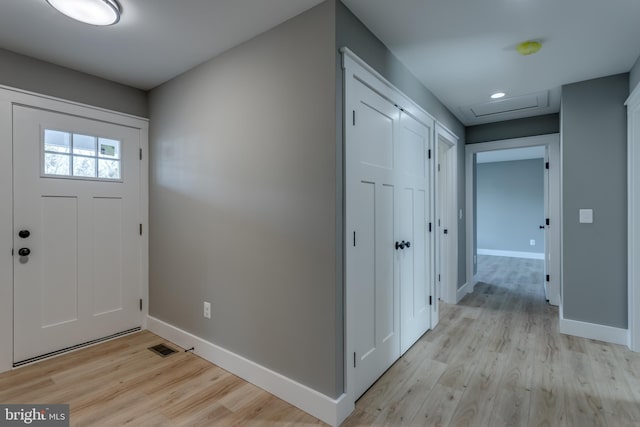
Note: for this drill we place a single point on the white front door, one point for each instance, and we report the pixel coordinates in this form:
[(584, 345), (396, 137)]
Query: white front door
[(412, 210), (77, 246)]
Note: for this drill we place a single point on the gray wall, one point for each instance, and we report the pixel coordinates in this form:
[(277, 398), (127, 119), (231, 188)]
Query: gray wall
[(510, 205), (594, 152), (634, 76), (242, 201), (33, 75), (352, 33), (518, 128)]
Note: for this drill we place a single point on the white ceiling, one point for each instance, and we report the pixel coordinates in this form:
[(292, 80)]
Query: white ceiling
[(463, 50), (154, 41)]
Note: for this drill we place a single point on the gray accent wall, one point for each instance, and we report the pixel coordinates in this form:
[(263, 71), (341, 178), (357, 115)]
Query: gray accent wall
[(352, 33), (243, 201), (30, 74), (594, 169), (518, 128), (634, 75), (510, 205)]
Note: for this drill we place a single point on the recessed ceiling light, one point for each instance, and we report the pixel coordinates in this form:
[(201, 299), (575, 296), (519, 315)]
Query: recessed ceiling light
[(94, 12), (497, 95)]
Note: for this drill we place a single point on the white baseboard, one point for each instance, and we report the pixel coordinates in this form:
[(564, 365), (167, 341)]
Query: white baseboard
[(331, 411), (593, 331), (462, 291), (511, 254)]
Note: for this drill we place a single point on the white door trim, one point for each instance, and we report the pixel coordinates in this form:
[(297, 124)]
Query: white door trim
[(450, 200), (555, 232), (9, 97), (633, 196)]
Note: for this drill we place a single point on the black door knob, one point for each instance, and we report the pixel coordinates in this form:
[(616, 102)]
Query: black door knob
[(407, 244), (24, 251), (24, 234), (399, 245)]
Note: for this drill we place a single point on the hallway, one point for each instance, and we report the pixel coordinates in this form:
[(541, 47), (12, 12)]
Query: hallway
[(497, 359)]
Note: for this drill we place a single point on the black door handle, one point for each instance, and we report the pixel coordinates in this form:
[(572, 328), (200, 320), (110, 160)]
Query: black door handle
[(446, 231), (399, 245), (24, 234), (541, 227), (24, 251), (407, 244)]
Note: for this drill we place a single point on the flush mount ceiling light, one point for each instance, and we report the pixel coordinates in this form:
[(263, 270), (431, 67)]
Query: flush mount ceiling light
[(498, 95), (94, 12), (529, 47)]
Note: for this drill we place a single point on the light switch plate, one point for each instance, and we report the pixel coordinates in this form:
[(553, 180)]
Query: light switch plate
[(586, 216)]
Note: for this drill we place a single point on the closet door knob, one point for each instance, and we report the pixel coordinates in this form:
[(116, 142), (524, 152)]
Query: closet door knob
[(407, 244), (399, 245)]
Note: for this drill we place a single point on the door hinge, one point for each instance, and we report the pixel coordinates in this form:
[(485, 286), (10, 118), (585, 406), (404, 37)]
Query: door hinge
[(354, 117), (430, 300), (140, 304), (547, 221), (429, 152), (11, 251), (548, 278), (429, 227), (354, 359), (354, 239), (141, 229), (546, 165), (438, 167), (141, 154), (438, 277)]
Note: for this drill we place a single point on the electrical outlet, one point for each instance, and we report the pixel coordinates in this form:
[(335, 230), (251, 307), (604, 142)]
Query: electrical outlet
[(532, 242), (207, 310)]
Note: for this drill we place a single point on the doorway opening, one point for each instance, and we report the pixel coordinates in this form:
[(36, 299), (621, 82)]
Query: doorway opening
[(510, 219), (513, 216)]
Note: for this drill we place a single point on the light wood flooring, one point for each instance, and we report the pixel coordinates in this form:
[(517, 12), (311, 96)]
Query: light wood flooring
[(496, 359), (121, 383)]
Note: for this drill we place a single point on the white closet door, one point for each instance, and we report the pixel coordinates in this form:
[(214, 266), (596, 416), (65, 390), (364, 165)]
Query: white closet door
[(412, 210), (372, 273)]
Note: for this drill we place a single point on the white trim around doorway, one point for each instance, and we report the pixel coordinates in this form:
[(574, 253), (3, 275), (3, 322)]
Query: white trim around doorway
[(447, 261), (553, 142), (633, 218)]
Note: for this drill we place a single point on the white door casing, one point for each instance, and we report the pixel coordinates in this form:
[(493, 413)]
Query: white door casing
[(81, 281), (447, 217), (552, 194), (633, 244), (388, 200)]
